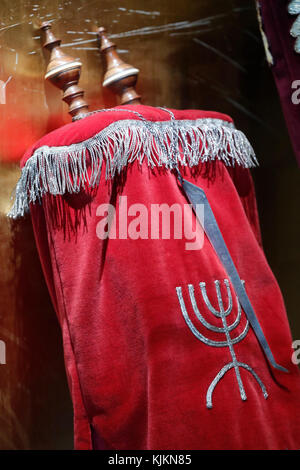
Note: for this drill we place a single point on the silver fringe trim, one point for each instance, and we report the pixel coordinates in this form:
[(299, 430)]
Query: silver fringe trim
[(57, 170)]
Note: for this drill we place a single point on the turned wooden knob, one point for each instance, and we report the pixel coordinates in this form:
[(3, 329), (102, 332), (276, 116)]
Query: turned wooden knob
[(119, 76), (64, 72)]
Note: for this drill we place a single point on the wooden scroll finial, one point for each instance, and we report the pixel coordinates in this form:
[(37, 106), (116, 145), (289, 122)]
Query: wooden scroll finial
[(119, 76), (64, 72)]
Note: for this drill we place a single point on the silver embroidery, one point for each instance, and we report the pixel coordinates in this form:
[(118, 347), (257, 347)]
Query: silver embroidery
[(294, 9), (222, 313), (57, 170)]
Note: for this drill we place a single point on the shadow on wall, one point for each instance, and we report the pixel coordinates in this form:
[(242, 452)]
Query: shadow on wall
[(35, 408)]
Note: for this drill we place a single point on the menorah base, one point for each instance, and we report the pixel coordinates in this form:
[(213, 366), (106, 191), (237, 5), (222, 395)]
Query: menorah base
[(221, 374)]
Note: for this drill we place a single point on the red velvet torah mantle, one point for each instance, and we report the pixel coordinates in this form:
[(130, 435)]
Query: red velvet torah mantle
[(159, 353)]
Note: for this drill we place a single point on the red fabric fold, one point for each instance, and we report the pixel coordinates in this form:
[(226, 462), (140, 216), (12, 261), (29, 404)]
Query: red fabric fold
[(277, 23)]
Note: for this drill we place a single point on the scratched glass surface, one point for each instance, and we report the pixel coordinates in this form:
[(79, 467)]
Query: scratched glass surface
[(192, 54)]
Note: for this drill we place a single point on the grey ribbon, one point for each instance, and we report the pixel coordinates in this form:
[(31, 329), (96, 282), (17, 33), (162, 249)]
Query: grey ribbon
[(197, 196)]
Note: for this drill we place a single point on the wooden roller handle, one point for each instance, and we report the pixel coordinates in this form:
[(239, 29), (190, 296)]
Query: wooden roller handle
[(64, 72), (119, 76)]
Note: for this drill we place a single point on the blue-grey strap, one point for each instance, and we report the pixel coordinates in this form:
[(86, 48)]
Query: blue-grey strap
[(197, 197)]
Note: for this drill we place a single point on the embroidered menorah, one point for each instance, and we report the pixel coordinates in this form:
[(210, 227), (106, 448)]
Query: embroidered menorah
[(225, 329)]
